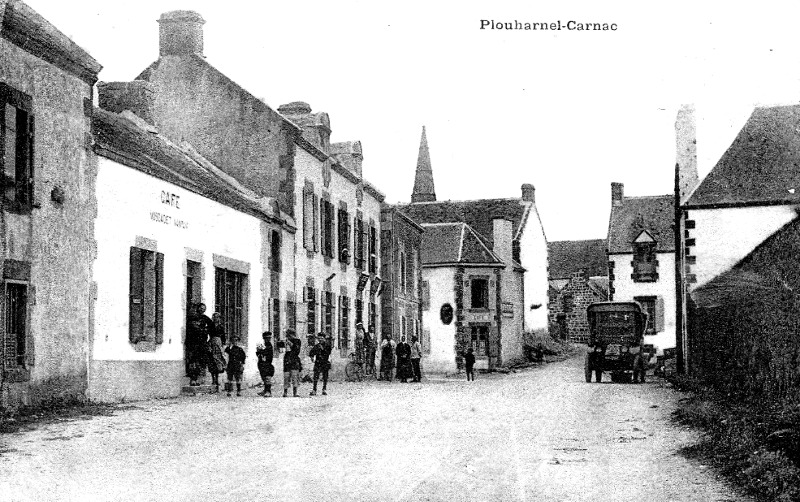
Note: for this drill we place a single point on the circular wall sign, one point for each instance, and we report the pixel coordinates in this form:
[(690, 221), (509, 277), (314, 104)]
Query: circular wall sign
[(446, 313)]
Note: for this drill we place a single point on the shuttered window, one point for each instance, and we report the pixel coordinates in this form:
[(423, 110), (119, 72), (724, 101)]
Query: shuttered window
[(16, 148), (275, 251), (344, 236), (373, 250), (426, 295), (358, 243), (344, 324), (146, 296), (230, 301), (15, 337), (311, 310)]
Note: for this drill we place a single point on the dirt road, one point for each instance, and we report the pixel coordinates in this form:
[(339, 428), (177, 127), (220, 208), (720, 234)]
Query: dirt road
[(540, 434)]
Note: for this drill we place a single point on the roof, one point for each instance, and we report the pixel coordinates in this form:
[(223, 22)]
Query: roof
[(453, 244), (478, 214), (600, 286), (25, 28), (567, 257), (632, 215), (126, 139), (762, 165), (423, 179)]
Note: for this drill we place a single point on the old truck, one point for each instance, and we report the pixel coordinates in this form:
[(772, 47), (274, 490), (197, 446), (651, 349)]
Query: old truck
[(616, 333)]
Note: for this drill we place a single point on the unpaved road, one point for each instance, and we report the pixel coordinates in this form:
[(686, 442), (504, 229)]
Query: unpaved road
[(540, 434)]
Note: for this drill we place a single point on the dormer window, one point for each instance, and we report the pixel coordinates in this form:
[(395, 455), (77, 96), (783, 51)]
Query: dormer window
[(645, 264)]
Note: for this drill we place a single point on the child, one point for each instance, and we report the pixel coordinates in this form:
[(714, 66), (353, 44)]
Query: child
[(264, 353), (236, 357), (469, 362)]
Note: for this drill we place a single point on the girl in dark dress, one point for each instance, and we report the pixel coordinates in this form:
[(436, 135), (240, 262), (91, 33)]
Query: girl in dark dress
[(403, 351), (387, 358), (198, 330)]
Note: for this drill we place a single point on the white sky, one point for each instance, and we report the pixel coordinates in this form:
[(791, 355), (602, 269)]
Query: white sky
[(569, 112)]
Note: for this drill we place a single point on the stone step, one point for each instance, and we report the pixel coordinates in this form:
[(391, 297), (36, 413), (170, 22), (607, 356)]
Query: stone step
[(189, 390)]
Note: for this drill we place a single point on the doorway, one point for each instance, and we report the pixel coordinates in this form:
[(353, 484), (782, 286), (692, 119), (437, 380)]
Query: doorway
[(194, 283)]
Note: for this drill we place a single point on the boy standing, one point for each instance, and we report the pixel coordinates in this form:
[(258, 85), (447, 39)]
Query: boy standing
[(236, 357), (321, 353), (265, 353), (291, 363), (469, 363)]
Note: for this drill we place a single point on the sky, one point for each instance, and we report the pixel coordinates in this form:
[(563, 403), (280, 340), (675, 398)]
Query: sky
[(567, 111)]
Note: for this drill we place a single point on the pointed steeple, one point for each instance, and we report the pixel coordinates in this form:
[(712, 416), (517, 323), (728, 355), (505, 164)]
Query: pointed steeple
[(423, 181)]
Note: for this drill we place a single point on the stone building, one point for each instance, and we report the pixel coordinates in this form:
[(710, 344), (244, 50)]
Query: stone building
[(172, 230), (578, 277), (641, 260), (747, 201), (401, 240), (510, 229), (337, 260), (46, 222)]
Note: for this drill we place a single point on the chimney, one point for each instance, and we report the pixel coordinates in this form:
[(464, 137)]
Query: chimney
[(686, 151), (137, 96), (617, 193), (349, 154), (316, 126), (180, 33), (528, 193), (502, 239)]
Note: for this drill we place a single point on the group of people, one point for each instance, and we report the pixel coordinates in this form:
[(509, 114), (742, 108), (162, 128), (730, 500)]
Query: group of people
[(205, 339), (206, 349)]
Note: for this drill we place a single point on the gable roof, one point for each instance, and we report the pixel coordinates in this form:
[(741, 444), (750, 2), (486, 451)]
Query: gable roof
[(477, 214), (762, 165), (631, 215), (567, 257), (454, 243), (127, 140)]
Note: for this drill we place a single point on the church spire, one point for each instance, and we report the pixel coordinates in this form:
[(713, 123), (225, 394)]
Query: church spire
[(423, 181)]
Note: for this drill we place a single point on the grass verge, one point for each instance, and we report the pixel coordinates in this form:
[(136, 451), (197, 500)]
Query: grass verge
[(28, 417), (754, 444)]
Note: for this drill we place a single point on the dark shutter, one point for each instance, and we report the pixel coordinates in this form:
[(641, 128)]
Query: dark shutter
[(29, 297), (315, 233), (136, 297), (159, 324), (659, 320)]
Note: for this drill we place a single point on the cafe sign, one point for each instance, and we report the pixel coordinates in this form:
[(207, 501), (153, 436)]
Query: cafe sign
[(174, 202)]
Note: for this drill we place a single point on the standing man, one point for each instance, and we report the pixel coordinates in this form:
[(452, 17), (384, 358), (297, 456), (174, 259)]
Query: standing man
[(291, 363), (416, 356), (370, 345), (198, 330), (265, 353), (321, 353)]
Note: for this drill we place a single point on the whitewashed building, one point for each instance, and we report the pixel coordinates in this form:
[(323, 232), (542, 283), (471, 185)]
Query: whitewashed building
[(172, 230)]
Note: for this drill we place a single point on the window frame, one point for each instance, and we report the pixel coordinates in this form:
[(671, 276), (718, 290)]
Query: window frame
[(22, 201), (233, 315), (645, 262), (480, 305), (140, 315)]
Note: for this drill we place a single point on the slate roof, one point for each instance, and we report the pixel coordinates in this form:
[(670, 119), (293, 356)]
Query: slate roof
[(600, 286), (634, 214), (567, 257), (478, 214), (454, 243), (128, 140), (762, 165)]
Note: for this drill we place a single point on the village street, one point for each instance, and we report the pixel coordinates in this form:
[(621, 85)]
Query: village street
[(539, 434)]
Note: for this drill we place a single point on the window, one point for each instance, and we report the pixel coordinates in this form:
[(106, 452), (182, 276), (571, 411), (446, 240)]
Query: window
[(359, 310), (327, 326), (326, 208), (311, 312), (358, 243), (373, 313), (310, 219), (15, 343), (479, 340), (16, 148), (426, 295), (344, 236), (645, 265), (648, 304), (413, 269), (373, 250), (479, 290), (567, 302), (402, 272), (230, 300), (516, 251), (146, 296), (403, 326), (344, 324), (275, 317), (275, 251), (291, 317), (426, 340)]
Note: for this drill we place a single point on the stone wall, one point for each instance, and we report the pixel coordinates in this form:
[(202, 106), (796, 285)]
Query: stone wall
[(567, 309)]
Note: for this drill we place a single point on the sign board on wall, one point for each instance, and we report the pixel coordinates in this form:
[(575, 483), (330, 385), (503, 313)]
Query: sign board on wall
[(508, 309), (174, 202)]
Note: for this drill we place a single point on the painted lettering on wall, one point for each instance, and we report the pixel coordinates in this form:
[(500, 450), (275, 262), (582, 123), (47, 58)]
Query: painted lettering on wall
[(172, 200)]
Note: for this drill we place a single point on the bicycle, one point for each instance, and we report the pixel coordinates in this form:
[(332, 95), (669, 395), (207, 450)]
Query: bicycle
[(354, 371)]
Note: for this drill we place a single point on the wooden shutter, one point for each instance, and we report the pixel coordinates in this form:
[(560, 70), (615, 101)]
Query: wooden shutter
[(159, 324), (316, 225), (136, 297), (426, 295), (29, 300), (659, 320), (308, 220)]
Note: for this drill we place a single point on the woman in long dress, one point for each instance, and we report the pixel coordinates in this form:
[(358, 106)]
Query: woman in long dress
[(387, 358), (403, 351), (216, 358)]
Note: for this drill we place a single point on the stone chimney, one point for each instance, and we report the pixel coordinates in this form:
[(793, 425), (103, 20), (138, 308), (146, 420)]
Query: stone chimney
[(180, 33), (349, 154), (137, 96), (528, 193), (316, 126), (686, 151), (617, 193)]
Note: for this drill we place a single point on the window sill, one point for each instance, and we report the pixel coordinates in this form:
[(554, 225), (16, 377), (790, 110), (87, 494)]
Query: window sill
[(144, 346), (16, 375)]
